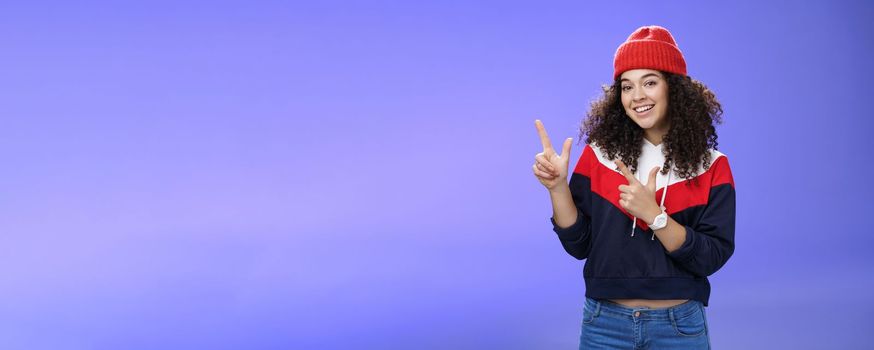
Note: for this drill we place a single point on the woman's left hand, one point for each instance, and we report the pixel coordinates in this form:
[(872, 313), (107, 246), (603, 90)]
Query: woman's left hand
[(639, 199)]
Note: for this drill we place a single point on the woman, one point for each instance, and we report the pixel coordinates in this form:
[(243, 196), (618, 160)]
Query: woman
[(647, 254)]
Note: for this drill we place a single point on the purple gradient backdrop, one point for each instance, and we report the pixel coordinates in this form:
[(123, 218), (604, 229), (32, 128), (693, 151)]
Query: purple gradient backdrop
[(274, 175)]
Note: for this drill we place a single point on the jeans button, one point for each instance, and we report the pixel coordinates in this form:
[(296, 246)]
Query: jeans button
[(637, 314)]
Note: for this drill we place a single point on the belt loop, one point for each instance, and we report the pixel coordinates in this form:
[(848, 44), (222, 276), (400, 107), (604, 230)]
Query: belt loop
[(671, 315)]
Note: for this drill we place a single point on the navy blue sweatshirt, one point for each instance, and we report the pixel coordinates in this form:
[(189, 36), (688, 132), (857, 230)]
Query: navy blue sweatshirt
[(624, 259)]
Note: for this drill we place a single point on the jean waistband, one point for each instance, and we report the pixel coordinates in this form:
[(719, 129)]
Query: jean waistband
[(643, 312)]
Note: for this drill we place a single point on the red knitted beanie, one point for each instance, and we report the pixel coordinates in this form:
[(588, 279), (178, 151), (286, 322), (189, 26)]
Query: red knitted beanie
[(650, 47)]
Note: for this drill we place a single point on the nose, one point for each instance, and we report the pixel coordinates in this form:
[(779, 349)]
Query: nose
[(638, 94)]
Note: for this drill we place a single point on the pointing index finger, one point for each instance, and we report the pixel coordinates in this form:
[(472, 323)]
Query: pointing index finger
[(628, 176), (544, 138)]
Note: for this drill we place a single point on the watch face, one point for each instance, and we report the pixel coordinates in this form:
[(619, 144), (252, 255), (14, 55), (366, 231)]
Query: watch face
[(660, 221)]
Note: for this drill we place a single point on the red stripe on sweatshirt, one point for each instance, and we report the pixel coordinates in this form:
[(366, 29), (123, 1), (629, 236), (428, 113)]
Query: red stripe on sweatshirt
[(605, 182)]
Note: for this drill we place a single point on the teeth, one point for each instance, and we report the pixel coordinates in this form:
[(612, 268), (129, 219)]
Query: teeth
[(643, 109)]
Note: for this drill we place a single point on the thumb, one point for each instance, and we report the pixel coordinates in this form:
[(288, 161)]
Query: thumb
[(566, 148), (652, 178)]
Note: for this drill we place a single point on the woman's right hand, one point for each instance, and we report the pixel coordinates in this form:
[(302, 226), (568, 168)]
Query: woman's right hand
[(550, 168)]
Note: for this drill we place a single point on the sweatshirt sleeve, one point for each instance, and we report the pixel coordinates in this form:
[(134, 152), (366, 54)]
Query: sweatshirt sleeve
[(576, 239), (710, 242)]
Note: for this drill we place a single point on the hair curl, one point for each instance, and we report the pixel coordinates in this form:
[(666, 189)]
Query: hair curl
[(692, 111)]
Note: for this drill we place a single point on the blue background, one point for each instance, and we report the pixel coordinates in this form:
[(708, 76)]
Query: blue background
[(357, 174)]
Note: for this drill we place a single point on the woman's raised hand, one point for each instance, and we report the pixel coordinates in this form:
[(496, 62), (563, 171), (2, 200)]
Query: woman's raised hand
[(550, 168), (638, 199)]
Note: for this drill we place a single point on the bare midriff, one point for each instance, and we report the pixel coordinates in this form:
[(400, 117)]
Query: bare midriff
[(652, 304)]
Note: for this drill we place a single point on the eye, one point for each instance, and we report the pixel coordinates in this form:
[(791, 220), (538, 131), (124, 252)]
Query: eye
[(650, 83), (626, 88)]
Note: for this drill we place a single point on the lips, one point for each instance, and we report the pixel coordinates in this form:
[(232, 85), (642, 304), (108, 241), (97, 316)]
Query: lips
[(643, 109)]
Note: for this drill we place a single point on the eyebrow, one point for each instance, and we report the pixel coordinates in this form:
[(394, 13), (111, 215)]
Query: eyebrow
[(643, 77)]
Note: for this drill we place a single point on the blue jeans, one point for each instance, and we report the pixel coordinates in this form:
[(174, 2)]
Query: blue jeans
[(608, 325)]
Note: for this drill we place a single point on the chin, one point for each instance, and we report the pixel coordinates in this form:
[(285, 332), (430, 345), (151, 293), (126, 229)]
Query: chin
[(649, 122), (645, 124)]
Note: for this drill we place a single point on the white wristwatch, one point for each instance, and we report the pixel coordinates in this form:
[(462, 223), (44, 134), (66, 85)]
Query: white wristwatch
[(660, 221)]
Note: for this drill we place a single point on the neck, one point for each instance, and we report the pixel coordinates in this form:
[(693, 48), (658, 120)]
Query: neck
[(654, 138), (656, 134)]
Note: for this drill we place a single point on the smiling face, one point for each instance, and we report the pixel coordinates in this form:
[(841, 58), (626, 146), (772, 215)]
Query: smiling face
[(645, 99)]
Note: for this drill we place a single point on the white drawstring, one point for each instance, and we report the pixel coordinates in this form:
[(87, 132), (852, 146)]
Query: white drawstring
[(664, 194), (634, 218)]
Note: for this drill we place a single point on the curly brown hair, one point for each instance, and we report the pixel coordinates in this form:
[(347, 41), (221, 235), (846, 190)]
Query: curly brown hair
[(692, 111)]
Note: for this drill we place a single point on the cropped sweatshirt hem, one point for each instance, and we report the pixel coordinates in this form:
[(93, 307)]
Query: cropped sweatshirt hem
[(623, 254), (649, 288)]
